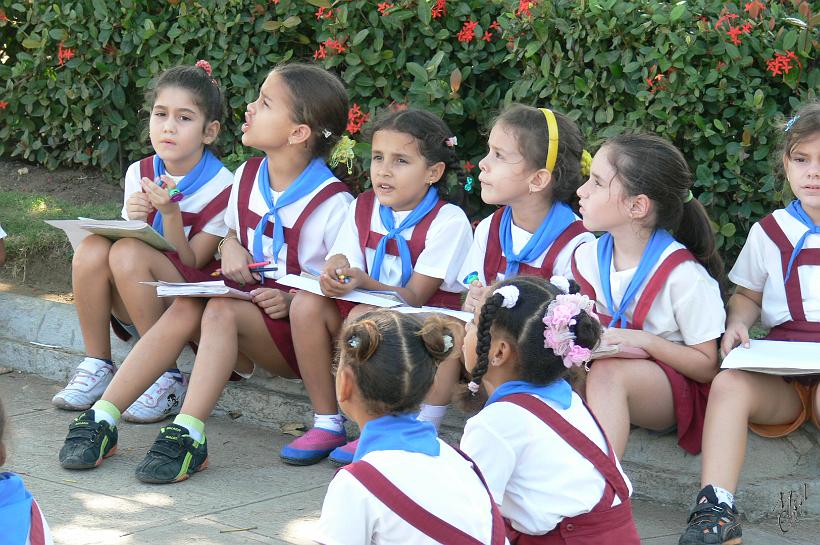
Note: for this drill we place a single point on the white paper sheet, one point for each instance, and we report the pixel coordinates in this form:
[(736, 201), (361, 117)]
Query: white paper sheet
[(355, 296), (216, 288), (775, 358)]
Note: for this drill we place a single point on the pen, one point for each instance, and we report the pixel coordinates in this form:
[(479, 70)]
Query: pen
[(470, 278), (254, 267), (344, 279)]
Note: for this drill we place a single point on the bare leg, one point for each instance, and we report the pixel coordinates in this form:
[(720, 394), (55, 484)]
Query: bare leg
[(621, 392), (315, 323), (156, 352), (737, 397), (132, 261), (228, 326), (95, 295)]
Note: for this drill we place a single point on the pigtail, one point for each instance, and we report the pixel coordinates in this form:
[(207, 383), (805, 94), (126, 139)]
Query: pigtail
[(483, 336), (695, 232), (361, 341), (437, 337)]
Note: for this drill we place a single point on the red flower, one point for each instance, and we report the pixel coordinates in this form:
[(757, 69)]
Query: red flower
[(467, 32), (725, 18), (324, 13), (754, 8), (495, 26), (64, 54), (383, 7), (469, 166), (334, 44), (440, 9), (782, 64), (735, 32), (320, 53), (356, 118), (3, 17), (3, 104), (488, 36), (524, 7)]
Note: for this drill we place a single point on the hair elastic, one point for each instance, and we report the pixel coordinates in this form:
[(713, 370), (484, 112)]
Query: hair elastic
[(552, 129), (586, 163), (205, 65), (688, 197), (790, 123), (343, 153), (469, 185), (451, 142)]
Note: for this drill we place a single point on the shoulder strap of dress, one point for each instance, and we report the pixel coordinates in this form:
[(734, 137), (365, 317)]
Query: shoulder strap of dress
[(364, 211), (147, 167), (37, 532), (410, 511), (217, 205), (493, 253), (656, 283), (292, 235), (573, 230), (246, 183)]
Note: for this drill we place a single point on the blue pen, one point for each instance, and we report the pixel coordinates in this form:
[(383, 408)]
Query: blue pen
[(470, 278)]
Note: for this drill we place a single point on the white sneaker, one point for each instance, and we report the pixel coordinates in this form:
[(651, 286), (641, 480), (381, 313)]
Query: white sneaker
[(163, 399), (86, 386)]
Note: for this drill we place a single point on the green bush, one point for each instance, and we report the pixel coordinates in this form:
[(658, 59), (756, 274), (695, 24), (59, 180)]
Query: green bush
[(716, 78)]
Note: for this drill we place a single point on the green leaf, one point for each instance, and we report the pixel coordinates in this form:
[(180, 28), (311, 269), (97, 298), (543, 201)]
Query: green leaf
[(360, 36), (321, 3), (678, 11), (728, 230), (425, 12), (31, 43), (291, 21), (417, 70)]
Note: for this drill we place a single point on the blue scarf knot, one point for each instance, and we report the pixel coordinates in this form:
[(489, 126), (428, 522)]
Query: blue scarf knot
[(557, 220), (658, 242), (559, 391), (204, 171), (398, 432), (795, 209), (308, 181), (413, 218)]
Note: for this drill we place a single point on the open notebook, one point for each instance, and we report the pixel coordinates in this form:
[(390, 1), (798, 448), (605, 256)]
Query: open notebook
[(216, 288), (775, 358), (78, 229), (310, 282)]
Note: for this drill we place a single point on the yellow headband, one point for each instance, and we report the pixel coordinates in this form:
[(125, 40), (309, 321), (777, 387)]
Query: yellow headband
[(552, 129)]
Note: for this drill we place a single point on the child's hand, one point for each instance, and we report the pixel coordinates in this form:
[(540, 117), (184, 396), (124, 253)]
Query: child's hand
[(635, 338), (159, 195), (138, 206), (235, 261), (333, 263), (355, 277), (475, 294), (736, 334), (275, 303)]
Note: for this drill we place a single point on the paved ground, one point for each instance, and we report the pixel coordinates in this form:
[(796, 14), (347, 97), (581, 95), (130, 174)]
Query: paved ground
[(246, 496)]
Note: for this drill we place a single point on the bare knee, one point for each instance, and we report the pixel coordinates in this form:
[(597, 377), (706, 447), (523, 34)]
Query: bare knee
[(307, 309), (219, 313), (731, 384), (128, 256), (91, 255), (604, 375), (188, 309)]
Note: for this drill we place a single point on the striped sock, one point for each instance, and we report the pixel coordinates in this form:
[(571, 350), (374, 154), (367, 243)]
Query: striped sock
[(195, 426)]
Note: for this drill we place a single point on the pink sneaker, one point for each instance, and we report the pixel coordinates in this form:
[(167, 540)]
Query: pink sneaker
[(312, 447), (344, 455)]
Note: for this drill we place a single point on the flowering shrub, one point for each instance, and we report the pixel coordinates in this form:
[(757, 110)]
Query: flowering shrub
[(716, 78)]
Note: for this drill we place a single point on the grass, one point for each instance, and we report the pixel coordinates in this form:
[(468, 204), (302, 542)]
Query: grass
[(22, 216)]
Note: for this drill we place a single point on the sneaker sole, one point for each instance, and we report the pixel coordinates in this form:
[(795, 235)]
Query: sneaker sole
[(110, 453), (302, 461), (202, 467), (128, 417), (61, 403)]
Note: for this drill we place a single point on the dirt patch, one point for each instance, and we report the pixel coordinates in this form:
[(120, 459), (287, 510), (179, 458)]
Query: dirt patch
[(45, 274)]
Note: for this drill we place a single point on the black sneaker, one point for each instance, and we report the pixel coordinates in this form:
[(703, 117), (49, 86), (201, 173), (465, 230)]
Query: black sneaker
[(712, 523), (88, 442), (173, 457)]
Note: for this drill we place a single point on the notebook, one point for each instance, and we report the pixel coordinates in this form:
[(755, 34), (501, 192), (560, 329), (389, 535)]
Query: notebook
[(775, 358), (216, 288), (78, 229), (310, 282)]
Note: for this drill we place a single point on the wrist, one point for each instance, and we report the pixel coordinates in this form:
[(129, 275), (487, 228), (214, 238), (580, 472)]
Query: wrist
[(223, 241)]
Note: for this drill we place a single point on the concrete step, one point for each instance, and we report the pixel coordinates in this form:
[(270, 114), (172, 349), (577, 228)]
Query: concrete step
[(780, 476)]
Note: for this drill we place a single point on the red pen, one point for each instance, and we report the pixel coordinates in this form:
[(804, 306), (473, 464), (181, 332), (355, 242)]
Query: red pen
[(251, 266)]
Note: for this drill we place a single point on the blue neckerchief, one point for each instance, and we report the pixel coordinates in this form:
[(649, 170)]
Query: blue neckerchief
[(413, 218), (204, 171), (398, 432), (558, 219), (15, 509), (659, 241), (558, 391), (306, 183), (795, 208)]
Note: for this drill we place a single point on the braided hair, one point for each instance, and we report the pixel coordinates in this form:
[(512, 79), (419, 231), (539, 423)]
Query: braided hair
[(394, 357), (523, 327)]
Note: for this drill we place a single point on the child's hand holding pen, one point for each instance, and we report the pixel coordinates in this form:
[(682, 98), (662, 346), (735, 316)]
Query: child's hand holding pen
[(475, 292), (332, 281), (236, 263), (163, 193)]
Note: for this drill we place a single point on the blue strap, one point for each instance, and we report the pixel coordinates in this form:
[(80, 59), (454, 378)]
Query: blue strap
[(204, 171), (559, 391), (413, 218), (795, 209), (308, 181), (557, 220), (398, 432), (658, 242), (15, 509)]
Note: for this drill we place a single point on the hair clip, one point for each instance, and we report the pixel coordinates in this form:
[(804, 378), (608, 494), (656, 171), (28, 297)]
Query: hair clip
[(343, 153), (448, 342), (205, 65), (326, 133), (586, 163), (560, 282), (790, 123), (451, 142), (509, 294), (354, 341), (469, 185), (473, 386)]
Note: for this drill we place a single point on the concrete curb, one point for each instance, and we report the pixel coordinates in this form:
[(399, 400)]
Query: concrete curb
[(43, 337)]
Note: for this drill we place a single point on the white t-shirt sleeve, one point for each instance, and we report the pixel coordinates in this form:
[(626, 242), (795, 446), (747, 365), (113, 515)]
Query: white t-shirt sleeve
[(474, 261), (563, 262), (2, 233), (447, 243), (492, 454), (132, 185), (699, 311), (336, 525), (347, 240), (231, 214), (750, 268)]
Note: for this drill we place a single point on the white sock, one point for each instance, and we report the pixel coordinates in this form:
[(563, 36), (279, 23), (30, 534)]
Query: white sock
[(724, 496), (105, 411), (330, 422), (433, 414)]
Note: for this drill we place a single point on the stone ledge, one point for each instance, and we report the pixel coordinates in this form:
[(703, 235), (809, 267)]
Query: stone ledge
[(43, 337)]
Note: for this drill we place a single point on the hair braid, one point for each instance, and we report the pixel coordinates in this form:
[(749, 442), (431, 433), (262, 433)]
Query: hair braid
[(484, 338)]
